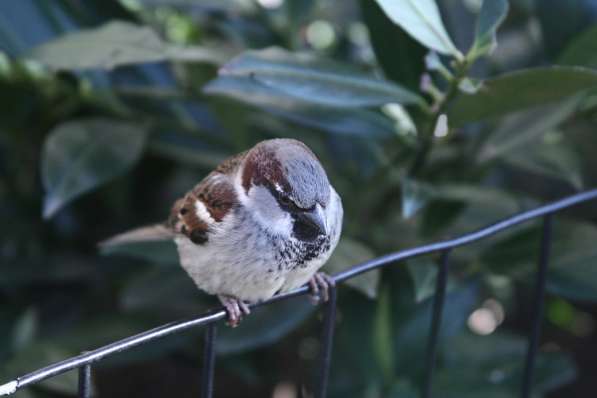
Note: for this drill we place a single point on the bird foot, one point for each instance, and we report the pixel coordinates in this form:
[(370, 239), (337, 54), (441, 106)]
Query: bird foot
[(320, 285), (236, 309)]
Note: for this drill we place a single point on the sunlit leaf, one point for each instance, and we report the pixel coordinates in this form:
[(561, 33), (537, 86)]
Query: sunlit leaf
[(422, 20), (397, 53), (491, 16), (522, 89), (81, 155), (114, 44)]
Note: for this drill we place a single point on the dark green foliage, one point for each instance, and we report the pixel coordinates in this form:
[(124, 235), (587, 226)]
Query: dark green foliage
[(109, 111)]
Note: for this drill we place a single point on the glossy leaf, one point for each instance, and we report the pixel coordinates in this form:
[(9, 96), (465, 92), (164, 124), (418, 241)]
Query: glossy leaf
[(296, 77), (348, 253), (422, 20), (78, 156), (522, 89), (491, 16), (353, 122), (114, 44)]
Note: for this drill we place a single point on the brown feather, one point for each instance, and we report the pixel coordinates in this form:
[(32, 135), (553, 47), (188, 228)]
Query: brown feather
[(217, 194)]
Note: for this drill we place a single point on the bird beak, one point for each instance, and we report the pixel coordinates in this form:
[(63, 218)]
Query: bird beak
[(316, 218)]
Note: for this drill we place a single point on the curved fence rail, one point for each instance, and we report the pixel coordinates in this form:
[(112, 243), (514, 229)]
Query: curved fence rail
[(84, 361)]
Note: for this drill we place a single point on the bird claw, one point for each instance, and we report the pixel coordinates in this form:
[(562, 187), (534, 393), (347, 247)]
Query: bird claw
[(235, 308), (320, 285)]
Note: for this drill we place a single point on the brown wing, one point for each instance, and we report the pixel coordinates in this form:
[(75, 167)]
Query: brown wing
[(218, 197)]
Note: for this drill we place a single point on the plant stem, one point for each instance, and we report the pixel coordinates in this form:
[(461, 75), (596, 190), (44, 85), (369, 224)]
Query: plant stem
[(426, 138)]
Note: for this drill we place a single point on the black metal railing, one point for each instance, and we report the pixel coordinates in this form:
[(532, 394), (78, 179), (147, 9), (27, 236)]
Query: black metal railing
[(83, 362)]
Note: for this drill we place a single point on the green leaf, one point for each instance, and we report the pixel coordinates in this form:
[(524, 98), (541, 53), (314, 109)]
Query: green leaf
[(415, 196), (399, 55), (350, 122), (348, 253), (491, 16), (411, 323), (519, 90), (38, 355), (422, 20), (582, 50), (382, 340), (520, 130), (146, 292), (571, 273), (552, 159), (25, 329), (115, 44), (81, 155), (423, 273), (265, 325), (402, 389), (299, 77), (185, 151), (494, 365)]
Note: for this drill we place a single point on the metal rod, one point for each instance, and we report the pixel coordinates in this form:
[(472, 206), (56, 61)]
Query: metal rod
[(436, 321), (327, 339), (209, 359), (539, 295), (85, 381), (214, 316)]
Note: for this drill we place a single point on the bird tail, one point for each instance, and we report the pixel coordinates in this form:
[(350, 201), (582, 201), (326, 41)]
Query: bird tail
[(149, 233)]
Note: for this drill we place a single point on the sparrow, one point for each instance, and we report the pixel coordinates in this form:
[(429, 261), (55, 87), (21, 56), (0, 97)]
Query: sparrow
[(262, 223)]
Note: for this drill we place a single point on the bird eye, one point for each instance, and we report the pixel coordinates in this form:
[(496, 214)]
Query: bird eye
[(285, 200)]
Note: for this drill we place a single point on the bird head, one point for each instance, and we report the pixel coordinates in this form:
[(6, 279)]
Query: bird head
[(286, 189)]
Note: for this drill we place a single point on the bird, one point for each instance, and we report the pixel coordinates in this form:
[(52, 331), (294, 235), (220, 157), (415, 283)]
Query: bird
[(263, 222)]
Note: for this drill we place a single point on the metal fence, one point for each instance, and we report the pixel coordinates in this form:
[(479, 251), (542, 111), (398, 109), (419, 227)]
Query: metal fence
[(210, 320)]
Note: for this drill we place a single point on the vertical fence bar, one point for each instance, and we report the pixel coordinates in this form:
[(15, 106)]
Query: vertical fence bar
[(436, 320), (85, 381), (209, 359), (327, 340), (529, 366)]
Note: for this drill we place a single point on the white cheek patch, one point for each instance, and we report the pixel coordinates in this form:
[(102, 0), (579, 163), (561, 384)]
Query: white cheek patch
[(267, 212), (202, 212)]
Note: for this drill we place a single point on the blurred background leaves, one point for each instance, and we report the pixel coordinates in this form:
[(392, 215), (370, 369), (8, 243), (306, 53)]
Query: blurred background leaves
[(111, 110)]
